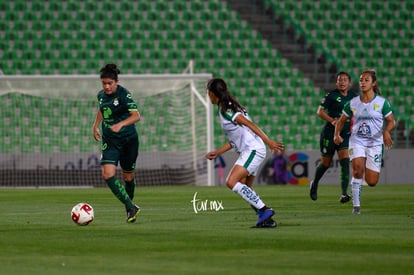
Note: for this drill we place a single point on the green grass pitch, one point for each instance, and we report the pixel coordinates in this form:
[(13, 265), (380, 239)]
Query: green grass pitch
[(37, 235)]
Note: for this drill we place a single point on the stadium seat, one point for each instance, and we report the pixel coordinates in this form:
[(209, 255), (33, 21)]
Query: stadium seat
[(135, 38)]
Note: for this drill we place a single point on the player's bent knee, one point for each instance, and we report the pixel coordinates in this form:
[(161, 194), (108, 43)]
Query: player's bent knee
[(106, 176), (128, 177), (230, 184), (357, 174), (371, 183)]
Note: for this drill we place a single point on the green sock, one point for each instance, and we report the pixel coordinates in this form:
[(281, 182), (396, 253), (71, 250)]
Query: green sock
[(344, 175), (119, 191), (320, 170), (130, 188)]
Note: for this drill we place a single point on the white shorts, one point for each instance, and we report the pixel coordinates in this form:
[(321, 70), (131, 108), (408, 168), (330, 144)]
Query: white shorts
[(251, 160), (372, 155)]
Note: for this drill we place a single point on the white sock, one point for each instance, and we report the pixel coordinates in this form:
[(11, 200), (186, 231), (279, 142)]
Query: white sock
[(356, 185), (248, 195)]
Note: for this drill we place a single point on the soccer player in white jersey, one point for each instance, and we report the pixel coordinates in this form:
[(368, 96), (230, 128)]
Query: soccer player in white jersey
[(248, 140), (368, 112)]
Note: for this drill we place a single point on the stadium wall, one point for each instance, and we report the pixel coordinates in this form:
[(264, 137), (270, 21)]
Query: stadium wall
[(83, 169), (397, 167)]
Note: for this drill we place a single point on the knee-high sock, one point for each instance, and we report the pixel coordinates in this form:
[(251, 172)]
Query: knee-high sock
[(248, 195), (119, 191), (356, 191), (344, 175), (130, 188), (319, 172)]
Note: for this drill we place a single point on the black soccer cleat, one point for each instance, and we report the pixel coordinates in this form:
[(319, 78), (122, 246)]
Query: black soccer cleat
[(133, 213), (269, 223), (344, 198), (313, 191)]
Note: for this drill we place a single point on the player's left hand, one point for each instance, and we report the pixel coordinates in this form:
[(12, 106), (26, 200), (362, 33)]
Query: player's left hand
[(387, 139), (116, 128), (276, 146), (338, 140)]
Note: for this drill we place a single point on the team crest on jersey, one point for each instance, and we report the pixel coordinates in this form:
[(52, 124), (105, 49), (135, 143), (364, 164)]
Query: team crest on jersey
[(116, 102), (364, 130), (376, 106)]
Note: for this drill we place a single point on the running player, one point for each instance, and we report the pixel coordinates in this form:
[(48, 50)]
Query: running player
[(249, 142), (368, 112), (118, 114), (330, 110)]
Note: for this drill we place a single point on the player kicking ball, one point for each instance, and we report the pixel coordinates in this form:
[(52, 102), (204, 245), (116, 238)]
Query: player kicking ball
[(249, 141)]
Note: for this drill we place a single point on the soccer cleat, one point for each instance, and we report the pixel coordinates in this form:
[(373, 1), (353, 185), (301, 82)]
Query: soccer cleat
[(313, 191), (264, 215), (356, 210), (344, 198), (133, 213), (269, 223)]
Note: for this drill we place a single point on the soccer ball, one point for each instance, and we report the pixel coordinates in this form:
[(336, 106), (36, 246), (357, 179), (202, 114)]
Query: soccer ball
[(82, 213)]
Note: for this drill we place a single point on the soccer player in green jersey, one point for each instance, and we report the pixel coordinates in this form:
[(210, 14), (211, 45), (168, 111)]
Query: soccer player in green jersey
[(330, 110), (117, 115), (372, 123)]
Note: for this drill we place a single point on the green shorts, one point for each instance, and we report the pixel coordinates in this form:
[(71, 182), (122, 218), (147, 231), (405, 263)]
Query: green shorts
[(124, 151), (328, 146)]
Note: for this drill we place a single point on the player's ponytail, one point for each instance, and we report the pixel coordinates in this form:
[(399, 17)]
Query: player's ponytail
[(225, 100), (110, 71)]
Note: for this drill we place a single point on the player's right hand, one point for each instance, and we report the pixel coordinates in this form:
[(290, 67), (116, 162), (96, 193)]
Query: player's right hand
[(338, 140), (96, 134), (211, 155)]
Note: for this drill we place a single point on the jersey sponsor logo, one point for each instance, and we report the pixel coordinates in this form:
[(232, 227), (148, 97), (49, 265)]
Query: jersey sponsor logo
[(107, 112), (364, 130)]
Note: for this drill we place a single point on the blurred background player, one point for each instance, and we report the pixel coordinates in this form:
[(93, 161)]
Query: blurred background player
[(117, 115), (249, 142), (368, 111), (330, 110)]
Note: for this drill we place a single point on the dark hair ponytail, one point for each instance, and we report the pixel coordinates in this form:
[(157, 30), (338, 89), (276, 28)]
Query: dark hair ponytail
[(110, 71), (225, 100)]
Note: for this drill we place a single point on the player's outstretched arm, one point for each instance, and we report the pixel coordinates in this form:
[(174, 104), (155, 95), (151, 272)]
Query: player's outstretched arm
[(214, 154), (273, 145)]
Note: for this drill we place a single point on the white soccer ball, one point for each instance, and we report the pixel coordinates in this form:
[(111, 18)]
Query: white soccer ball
[(82, 213)]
